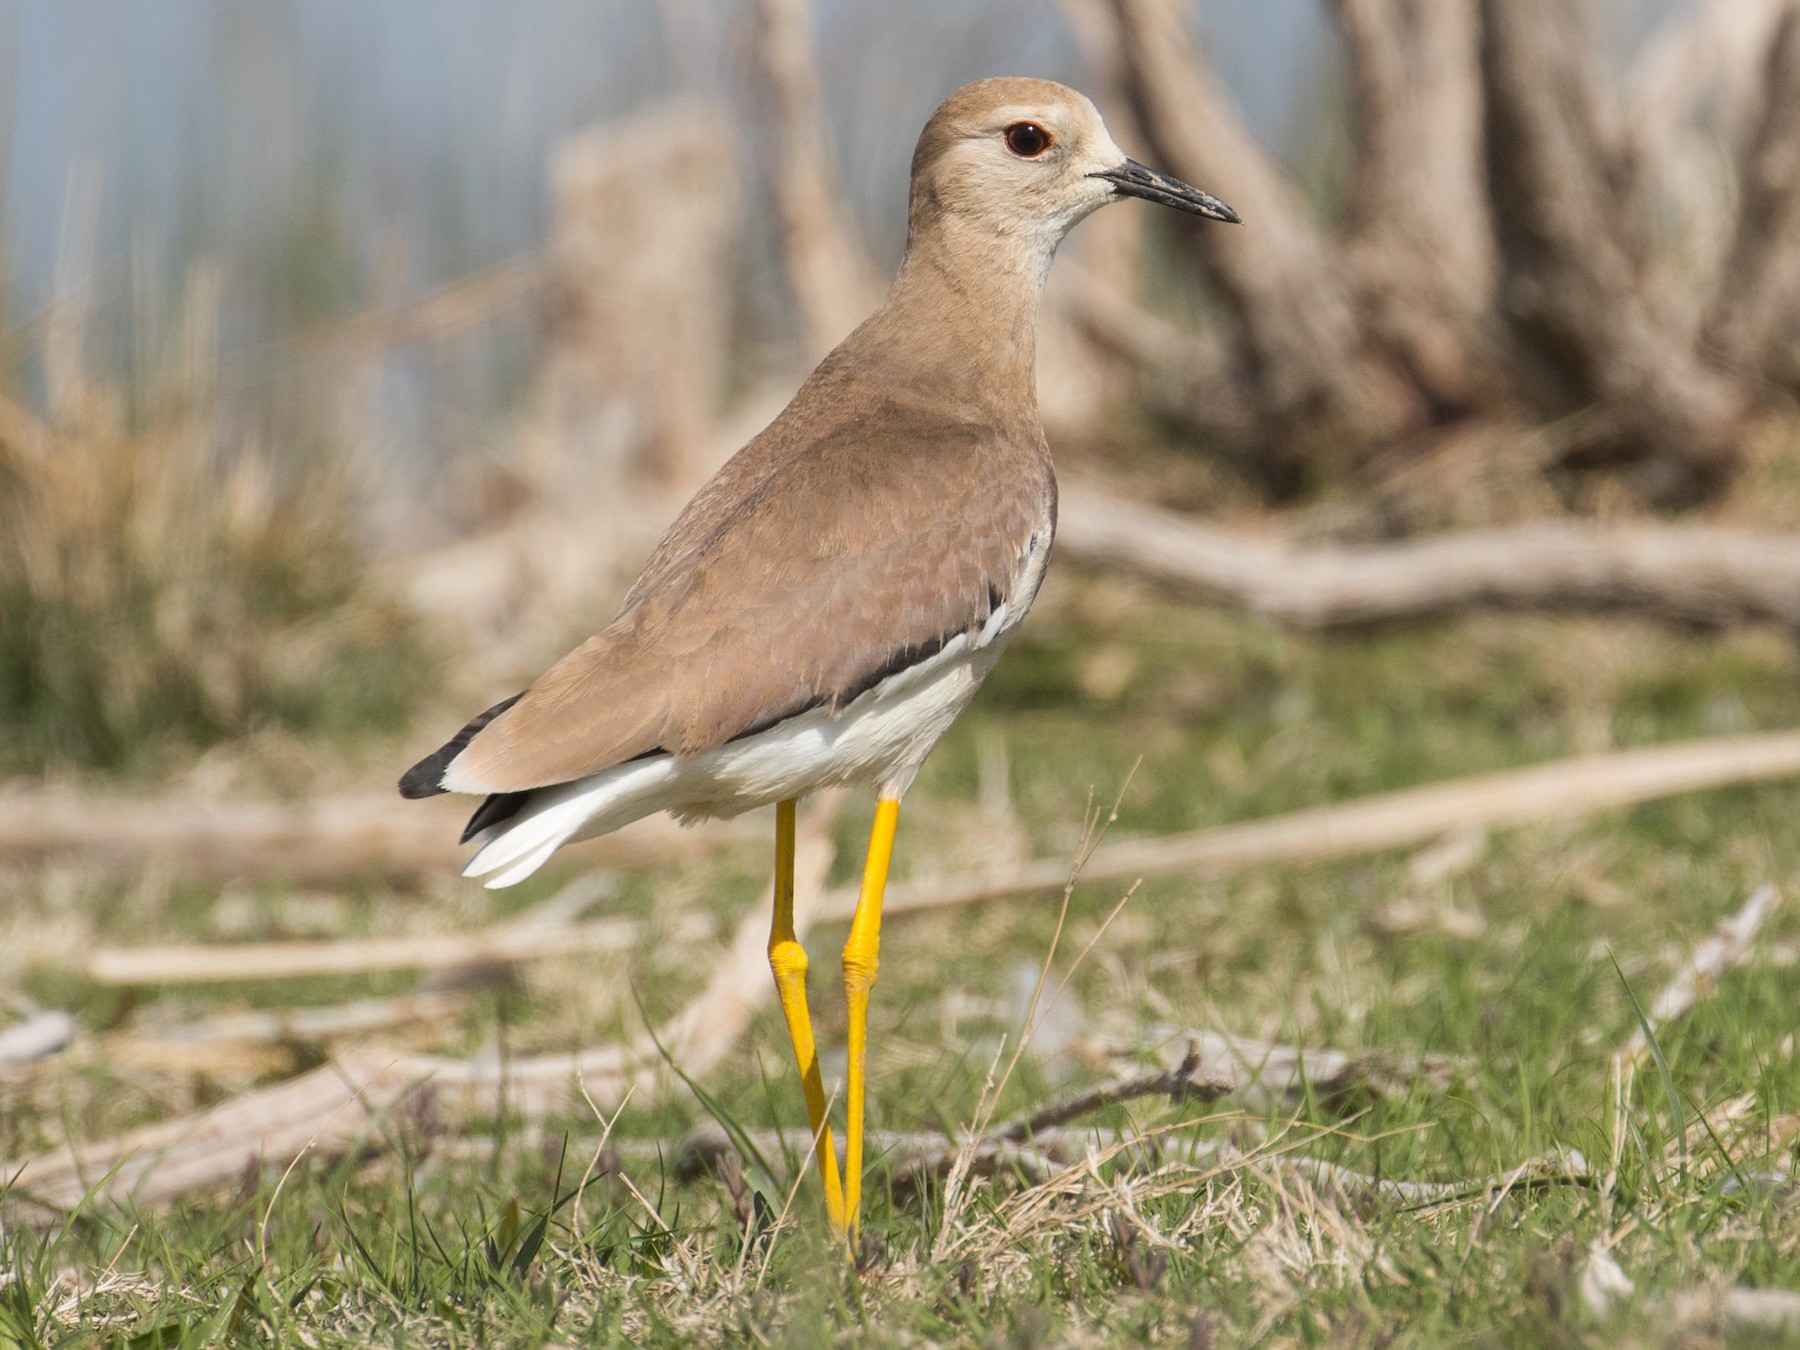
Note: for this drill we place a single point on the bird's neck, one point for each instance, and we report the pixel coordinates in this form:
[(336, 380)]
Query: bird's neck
[(961, 319)]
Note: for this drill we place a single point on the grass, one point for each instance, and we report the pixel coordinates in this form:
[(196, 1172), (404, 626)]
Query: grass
[(1526, 966)]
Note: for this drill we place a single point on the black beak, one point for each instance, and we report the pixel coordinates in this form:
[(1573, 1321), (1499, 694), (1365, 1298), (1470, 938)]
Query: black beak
[(1132, 179)]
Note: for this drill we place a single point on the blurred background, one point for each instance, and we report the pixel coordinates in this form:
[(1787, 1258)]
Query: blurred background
[(352, 358)]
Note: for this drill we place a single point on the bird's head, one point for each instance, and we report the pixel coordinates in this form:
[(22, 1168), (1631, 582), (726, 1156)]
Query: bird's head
[(1030, 158)]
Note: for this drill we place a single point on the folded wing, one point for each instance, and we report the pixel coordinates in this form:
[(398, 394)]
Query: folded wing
[(852, 559)]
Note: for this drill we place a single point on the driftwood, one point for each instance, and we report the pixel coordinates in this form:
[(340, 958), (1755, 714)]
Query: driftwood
[(324, 1112), (1504, 245), (329, 1110), (1690, 573), (227, 962), (1312, 379), (1420, 249)]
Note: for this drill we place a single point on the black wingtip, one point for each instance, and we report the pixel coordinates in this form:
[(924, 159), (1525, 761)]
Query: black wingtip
[(426, 778), (422, 779)]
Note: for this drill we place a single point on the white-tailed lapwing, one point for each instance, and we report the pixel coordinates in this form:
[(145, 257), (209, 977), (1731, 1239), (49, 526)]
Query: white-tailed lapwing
[(830, 601)]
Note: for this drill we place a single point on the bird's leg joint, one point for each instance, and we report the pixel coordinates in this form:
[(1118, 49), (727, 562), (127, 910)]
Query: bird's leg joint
[(862, 963), (787, 958)]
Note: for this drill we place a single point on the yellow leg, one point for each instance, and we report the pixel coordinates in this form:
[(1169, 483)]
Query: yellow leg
[(787, 958), (862, 959)]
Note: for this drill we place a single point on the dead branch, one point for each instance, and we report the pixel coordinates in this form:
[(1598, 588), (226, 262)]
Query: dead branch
[(326, 838), (1211, 1064), (330, 1110), (1389, 820), (1754, 323), (185, 1045), (910, 1157), (1579, 281), (1192, 1078), (1689, 573)]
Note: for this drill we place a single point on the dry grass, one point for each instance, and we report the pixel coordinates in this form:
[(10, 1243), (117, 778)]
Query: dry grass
[(164, 577)]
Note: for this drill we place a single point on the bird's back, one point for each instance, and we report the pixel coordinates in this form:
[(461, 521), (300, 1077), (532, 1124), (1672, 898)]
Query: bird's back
[(861, 531)]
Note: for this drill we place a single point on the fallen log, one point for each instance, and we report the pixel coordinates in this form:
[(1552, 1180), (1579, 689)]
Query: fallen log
[(1690, 573)]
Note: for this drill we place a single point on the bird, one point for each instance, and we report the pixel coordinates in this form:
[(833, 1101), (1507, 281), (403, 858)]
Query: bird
[(827, 604)]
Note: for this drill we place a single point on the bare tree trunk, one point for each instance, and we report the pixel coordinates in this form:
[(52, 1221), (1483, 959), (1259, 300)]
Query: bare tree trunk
[(1696, 87), (644, 214), (1578, 281), (1421, 251), (1323, 393), (1754, 324)]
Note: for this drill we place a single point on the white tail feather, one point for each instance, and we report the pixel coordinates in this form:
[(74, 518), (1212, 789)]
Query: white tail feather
[(513, 849), (524, 867)]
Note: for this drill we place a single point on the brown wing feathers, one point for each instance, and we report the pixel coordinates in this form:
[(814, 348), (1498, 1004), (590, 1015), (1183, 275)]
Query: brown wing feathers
[(832, 571)]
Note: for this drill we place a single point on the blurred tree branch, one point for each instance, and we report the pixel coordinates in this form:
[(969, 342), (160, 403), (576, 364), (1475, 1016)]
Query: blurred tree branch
[(1580, 283), (1319, 389), (1754, 323)]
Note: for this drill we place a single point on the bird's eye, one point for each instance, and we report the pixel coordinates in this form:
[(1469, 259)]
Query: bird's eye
[(1027, 139)]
